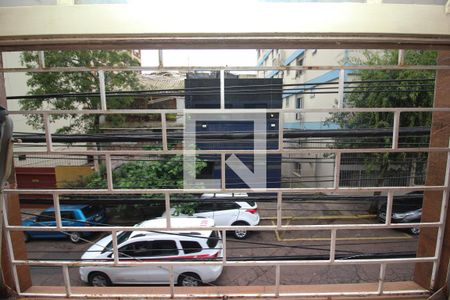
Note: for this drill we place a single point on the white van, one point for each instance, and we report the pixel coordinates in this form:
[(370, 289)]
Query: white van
[(141, 245)]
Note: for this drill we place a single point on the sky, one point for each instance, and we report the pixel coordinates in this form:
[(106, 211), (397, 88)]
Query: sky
[(200, 57)]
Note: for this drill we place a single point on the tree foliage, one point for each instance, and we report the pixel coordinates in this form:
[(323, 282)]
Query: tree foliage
[(42, 83), (163, 173), (389, 88)]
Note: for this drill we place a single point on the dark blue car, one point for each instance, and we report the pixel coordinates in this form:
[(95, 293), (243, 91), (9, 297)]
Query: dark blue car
[(71, 215)]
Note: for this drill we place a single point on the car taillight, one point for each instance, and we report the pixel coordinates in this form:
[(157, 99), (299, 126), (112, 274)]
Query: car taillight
[(215, 255), (252, 210)]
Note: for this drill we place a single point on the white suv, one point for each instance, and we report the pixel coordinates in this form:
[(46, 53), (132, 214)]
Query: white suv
[(160, 246), (226, 211)]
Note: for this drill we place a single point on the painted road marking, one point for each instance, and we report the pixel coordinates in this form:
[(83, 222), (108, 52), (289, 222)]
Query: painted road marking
[(280, 237), (323, 217)]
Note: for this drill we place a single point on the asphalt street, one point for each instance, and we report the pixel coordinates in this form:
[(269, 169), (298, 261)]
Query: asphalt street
[(265, 244)]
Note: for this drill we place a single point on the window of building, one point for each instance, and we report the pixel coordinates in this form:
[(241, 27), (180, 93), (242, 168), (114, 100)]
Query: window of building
[(299, 62), (299, 103), (298, 168), (287, 102)]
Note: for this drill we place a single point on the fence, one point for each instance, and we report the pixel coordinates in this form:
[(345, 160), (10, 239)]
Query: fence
[(278, 289)]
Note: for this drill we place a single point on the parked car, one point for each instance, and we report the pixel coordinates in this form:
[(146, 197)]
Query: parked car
[(405, 209), (226, 209), (157, 245), (71, 215)]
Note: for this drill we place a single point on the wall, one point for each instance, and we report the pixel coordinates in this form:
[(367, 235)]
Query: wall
[(66, 174)]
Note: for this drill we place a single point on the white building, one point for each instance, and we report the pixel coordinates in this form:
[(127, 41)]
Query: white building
[(306, 89)]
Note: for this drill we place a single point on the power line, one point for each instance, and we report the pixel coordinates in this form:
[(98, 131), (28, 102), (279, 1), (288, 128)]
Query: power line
[(133, 136)]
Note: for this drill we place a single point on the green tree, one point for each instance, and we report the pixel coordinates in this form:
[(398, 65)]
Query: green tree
[(162, 173), (42, 83), (389, 88)]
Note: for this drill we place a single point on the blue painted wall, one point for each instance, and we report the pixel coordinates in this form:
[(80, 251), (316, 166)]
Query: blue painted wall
[(256, 95)]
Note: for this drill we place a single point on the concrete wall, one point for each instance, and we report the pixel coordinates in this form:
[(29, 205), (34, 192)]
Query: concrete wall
[(66, 174)]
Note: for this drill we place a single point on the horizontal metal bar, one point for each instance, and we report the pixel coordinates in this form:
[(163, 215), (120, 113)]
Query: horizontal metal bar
[(229, 228), (225, 295), (231, 190), (234, 110), (327, 262), (225, 68), (218, 152)]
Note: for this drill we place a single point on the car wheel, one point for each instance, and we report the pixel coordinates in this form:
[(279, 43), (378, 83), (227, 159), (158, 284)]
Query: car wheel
[(415, 230), (189, 279), (240, 234), (75, 237), (99, 279)]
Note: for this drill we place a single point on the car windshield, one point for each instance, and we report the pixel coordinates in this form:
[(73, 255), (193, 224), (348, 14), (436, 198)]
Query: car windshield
[(90, 210), (121, 237)]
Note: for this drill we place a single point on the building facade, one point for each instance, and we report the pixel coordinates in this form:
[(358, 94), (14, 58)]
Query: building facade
[(306, 89)]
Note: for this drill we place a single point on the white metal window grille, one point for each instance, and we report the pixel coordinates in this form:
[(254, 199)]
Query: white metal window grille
[(333, 229)]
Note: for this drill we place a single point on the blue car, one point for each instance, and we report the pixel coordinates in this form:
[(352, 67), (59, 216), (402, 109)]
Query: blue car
[(71, 215)]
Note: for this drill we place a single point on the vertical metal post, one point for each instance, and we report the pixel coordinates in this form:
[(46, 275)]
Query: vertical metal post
[(66, 277), (57, 211), (164, 130), (222, 171), (160, 59), (333, 245), (442, 220), (168, 212), (16, 276), (277, 280), (281, 131), (395, 131), (401, 57), (101, 82), (381, 278), (109, 174), (341, 88), (390, 201), (222, 89), (48, 134), (4, 209), (115, 247), (12, 257), (172, 282), (279, 210), (337, 170), (224, 246), (41, 59)]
